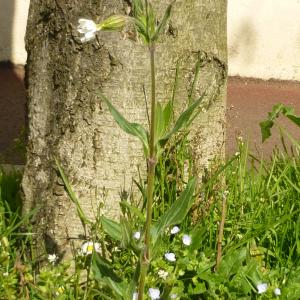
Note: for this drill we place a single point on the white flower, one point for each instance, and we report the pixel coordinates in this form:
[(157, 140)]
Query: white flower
[(173, 296), (137, 235), (5, 274), (262, 288), (88, 28), (277, 292), (170, 256), (186, 239), (135, 296), (163, 274), (52, 258), (88, 247), (154, 293), (175, 230), (225, 193)]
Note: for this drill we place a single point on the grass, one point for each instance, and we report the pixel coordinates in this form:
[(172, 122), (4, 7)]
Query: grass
[(260, 243)]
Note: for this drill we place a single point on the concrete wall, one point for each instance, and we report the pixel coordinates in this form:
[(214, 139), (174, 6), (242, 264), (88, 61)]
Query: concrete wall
[(13, 19), (263, 36)]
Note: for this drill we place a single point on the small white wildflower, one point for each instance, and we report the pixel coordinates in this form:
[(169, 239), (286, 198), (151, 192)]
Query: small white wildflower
[(173, 296), (239, 236), (5, 274), (262, 288), (137, 235), (154, 293), (88, 247), (225, 193), (52, 258), (277, 292), (170, 256), (186, 239), (116, 249), (135, 296), (163, 274), (237, 153), (175, 230), (88, 28)]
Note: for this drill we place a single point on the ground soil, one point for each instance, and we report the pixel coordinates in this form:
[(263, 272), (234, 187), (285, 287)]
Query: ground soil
[(248, 102)]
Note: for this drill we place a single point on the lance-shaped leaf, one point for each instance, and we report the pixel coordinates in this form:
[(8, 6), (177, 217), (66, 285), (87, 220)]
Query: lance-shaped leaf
[(182, 121), (130, 128), (126, 233), (177, 211), (160, 123), (163, 119), (151, 21), (141, 27), (133, 210), (138, 7), (112, 228), (84, 220), (163, 22), (104, 273)]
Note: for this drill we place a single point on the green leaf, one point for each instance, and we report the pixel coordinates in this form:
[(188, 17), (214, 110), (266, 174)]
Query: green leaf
[(163, 22), (168, 113), (138, 7), (140, 24), (266, 126), (295, 119), (177, 211), (112, 228), (126, 233), (103, 272), (151, 21), (134, 210), (232, 262), (160, 126), (130, 128), (182, 121), (84, 220)]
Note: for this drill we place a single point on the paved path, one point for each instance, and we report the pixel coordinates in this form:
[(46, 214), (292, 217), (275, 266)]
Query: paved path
[(248, 102)]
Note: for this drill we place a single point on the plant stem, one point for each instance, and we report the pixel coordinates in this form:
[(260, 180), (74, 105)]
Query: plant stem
[(221, 230), (151, 162)]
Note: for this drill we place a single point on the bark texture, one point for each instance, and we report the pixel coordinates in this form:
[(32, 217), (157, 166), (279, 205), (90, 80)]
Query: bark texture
[(68, 121)]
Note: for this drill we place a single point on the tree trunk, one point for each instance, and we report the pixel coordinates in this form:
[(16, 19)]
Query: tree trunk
[(67, 120)]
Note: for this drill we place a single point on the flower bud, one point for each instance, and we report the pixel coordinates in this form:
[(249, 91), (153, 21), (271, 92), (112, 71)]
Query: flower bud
[(113, 23)]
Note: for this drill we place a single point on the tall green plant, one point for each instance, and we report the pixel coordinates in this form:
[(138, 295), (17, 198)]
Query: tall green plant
[(153, 140)]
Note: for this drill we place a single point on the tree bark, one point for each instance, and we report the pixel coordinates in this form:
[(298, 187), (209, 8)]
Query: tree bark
[(67, 120)]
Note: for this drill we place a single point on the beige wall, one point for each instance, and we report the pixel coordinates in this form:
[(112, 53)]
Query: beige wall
[(13, 18), (263, 36)]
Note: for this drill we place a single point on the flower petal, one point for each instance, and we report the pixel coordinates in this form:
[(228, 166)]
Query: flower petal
[(262, 288), (186, 239), (154, 293), (170, 256)]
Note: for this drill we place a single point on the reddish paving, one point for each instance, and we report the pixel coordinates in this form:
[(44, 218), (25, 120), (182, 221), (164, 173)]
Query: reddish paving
[(12, 111), (249, 101)]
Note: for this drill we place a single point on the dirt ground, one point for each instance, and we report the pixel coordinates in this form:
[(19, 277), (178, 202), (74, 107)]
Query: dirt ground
[(248, 102)]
